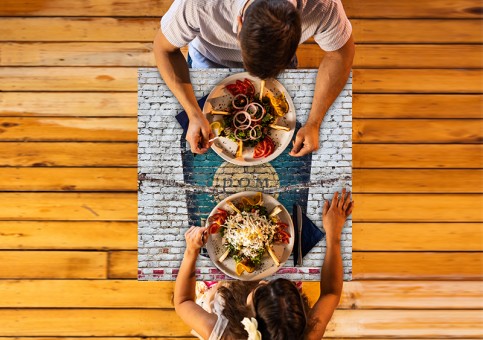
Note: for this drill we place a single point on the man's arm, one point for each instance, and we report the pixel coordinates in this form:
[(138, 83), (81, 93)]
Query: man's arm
[(331, 78), (184, 290), (331, 277), (174, 70)]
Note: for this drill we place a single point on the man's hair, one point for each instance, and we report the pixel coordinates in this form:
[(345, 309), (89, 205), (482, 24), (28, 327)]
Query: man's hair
[(281, 311), (269, 37)]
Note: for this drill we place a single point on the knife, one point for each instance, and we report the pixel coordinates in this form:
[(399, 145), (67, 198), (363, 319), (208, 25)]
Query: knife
[(299, 224)]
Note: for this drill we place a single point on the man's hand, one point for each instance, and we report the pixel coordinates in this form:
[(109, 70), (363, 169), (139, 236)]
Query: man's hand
[(199, 133), (195, 238), (334, 214), (306, 141)]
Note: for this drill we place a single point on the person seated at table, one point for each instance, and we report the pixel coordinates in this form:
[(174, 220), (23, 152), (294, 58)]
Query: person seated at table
[(261, 36), (263, 310)]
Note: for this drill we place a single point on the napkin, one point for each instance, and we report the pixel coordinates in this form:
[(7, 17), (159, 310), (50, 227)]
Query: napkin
[(183, 119), (311, 235)]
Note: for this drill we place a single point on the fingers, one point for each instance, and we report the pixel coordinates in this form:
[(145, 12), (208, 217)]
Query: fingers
[(298, 144), (325, 209), (340, 204), (335, 200), (349, 210), (189, 231), (196, 144), (347, 201), (304, 151), (206, 135)]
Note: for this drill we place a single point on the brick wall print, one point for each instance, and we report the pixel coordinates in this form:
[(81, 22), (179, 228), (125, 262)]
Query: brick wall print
[(178, 189)]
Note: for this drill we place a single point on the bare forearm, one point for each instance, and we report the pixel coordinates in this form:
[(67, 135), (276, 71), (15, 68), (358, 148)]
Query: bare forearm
[(331, 276), (334, 70), (185, 285), (174, 70)]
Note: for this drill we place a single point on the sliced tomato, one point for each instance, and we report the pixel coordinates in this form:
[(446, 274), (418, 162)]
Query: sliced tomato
[(233, 89), (213, 228), (281, 225), (260, 149), (250, 87), (222, 212)]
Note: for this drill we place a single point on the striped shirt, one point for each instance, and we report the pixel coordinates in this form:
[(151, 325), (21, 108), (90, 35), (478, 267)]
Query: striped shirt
[(210, 26)]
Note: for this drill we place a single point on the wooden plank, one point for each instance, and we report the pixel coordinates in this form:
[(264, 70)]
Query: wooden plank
[(68, 206), (417, 181), (413, 9), (430, 236), (416, 106), (142, 322), (418, 208), (123, 265), (393, 56), (310, 55), (41, 154), (84, 104), (68, 79), (404, 265), (159, 294), (417, 131), (417, 156), (417, 81), (157, 8), (68, 179), (68, 129), (415, 31), (52, 265), (77, 54), (68, 235), (144, 29)]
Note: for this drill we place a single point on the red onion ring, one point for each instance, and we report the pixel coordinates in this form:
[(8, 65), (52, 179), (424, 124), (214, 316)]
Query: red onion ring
[(239, 96), (254, 129), (242, 123), (254, 111), (236, 135)]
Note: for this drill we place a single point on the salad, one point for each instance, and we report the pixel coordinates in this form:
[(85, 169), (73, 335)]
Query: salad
[(248, 231), (249, 118)]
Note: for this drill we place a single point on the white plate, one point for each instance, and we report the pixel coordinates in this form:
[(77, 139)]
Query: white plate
[(267, 267), (219, 99)]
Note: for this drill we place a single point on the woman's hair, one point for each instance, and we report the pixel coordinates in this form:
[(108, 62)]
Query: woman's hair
[(269, 37), (281, 311), (235, 294)]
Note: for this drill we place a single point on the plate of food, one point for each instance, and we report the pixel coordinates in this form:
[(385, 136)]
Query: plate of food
[(250, 235), (253, 120)]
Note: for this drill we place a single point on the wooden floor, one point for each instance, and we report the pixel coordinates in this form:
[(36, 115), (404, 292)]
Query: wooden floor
[(68, 133)]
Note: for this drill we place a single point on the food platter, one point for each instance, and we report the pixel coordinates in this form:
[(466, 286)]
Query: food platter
[(267, 265), (220, 99)]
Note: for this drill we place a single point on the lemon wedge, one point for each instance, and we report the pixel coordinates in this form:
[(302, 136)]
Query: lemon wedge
[(217, 127)]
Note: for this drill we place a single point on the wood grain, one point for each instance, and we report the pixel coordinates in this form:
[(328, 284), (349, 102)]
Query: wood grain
[(354, 8), (137, 29), (450, 131), (401, 56), (417, 181), (68, 79), (68, 179), (68, 206), (144, 294), (421, 265), (52, 265), (140, 54), (417, 81), (418, 208), (79, 104), (123, 264), (416, 106), (417, 236), (146, 322), (62, 235), (42, 154), (68, 129)]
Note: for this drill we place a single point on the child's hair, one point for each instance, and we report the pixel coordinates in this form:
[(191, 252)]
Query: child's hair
[(280, 309)]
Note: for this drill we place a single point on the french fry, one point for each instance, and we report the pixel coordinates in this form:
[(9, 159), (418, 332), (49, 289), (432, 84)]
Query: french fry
[(224, 256), (277, 210), (279, 127), (239, 150), (262, 88), (217, 112), (274, 257)]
